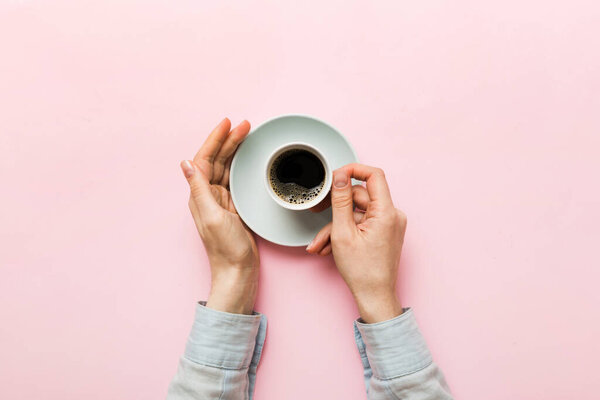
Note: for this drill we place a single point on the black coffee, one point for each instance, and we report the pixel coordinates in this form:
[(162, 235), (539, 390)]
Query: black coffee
[(297, 176)]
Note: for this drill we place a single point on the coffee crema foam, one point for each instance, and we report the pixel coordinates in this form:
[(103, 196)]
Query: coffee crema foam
[(292, 192)]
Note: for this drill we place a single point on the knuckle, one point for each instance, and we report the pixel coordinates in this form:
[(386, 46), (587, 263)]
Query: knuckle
[(195, 188), (379, 171), (394, 218), (402, 218), (341, 201), (211, 221)]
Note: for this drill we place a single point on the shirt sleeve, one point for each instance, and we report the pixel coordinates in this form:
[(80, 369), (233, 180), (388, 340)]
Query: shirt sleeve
[(396, 361), (221, 356)]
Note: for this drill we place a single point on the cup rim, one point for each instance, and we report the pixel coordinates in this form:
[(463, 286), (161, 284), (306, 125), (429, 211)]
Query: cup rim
[(326, 185)]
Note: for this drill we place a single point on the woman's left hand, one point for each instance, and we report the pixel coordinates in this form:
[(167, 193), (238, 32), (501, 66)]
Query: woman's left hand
[(229, 244)]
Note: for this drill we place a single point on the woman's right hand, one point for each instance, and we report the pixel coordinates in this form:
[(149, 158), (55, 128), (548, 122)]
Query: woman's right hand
[(366, 242)]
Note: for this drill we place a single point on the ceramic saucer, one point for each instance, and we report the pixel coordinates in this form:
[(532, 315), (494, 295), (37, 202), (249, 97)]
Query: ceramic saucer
[(248, 190)]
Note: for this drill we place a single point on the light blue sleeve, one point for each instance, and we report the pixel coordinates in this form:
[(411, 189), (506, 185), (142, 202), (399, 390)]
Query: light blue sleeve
[(396, 361), (221, 356)]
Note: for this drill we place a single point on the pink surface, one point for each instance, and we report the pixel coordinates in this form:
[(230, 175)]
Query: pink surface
[(485, 116)]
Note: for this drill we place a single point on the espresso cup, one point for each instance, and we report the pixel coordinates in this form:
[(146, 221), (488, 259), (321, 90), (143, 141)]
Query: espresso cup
[(297, 176)]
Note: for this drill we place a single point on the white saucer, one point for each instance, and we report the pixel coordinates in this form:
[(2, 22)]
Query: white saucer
[(254, 205)]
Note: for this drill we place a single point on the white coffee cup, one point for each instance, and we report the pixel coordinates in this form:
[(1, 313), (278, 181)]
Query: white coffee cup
[(326, 185)]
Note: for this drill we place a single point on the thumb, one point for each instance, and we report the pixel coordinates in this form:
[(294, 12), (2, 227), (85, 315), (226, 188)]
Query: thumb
[(341, 202), (199, 187)]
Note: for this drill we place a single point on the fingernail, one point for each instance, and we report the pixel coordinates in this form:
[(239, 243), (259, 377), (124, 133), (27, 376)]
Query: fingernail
[(310, 244), (187, 168), (340, 179)]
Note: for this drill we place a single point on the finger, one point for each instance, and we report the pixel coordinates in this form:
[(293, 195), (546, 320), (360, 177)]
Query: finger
[(226, 173), (377, 186), (200, 190), (323, 238), (231, 208), (360, 197), (320, 240), (359, 217), (221, 195), (209, 150), (326, 250), (341, 203), (323, 205), (235, 137)]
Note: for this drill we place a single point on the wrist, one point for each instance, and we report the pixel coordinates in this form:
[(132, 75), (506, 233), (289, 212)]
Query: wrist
[(378, 307), (233, 291)]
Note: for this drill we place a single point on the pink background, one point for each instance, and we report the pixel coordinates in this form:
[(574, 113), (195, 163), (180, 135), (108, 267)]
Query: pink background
[(485, 116)]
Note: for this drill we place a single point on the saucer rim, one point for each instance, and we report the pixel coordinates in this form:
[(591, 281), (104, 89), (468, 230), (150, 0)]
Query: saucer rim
[(235, 159)]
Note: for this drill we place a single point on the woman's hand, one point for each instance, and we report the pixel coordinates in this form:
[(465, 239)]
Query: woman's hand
[(230, 246), (366, 241)]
